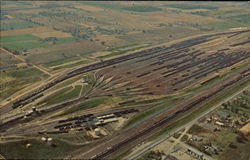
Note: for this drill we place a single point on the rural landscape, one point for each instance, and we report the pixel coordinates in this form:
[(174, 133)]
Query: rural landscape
[(125, 80)]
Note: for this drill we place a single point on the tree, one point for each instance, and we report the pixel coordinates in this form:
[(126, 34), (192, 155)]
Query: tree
[(240, 139), (233, 146)]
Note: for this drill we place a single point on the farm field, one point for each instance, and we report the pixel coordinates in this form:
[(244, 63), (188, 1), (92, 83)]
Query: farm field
[(22, 42), (84, 28), (17, 79), (18, 25), (99, 80)]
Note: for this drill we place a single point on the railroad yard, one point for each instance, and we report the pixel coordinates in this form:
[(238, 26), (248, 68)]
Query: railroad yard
[(114, 103), (117, 90)]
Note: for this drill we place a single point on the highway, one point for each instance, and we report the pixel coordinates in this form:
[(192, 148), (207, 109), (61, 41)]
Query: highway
[(161, 139)]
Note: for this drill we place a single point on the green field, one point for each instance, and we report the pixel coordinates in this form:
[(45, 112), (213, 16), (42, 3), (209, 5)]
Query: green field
[(18, 25), (22, 42), (60, 40), (87, 104), (62, 95), (191, 6), (141, 116), (18, 80), (122, 50), (18, 46), (121, 7), (73, 64), (148, 101), (18, 38), (142, 9), (104, 5), (66, 82), (226, 25), (243, 18), (72, 137), (6, 59), (66, 40), (38, 149), (60, 61)]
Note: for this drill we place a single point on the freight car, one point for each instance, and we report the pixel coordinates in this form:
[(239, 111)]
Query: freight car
[(156, 122)]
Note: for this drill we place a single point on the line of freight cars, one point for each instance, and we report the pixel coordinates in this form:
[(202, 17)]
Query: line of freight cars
[(204, 38), (177, 63), (114, 61), (210, 59), (156, 123), (238, 44), (206, 70), (87, 69), (43, 111), (78, 121)]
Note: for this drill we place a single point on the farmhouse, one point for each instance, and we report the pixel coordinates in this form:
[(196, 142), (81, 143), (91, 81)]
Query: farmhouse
[(219, 123), (245, 130)]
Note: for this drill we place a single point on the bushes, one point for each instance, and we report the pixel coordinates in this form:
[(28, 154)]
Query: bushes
[(142, 9), (191, 6)]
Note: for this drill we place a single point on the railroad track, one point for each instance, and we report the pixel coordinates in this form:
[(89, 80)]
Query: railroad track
[(149, 127), (99, 65)]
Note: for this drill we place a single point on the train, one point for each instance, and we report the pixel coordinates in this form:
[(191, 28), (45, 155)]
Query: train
[(159, 121)]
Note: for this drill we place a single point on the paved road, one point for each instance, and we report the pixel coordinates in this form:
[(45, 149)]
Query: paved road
[(160, 140), (170, 149), (1, 157)]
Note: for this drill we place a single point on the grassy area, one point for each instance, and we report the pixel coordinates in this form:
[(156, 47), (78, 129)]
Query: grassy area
[(240, 153), (87, 104), (73, 64), (72, 137), (145, 101), (104, 5), (142, 8), (17, 25), (62, 95), (220, 13), (18, 38), (65, 40), (22, 42), (121, 7), (66, 82), (86, 88), (60, 61), (186, 6), (23, 73), (196, 129), (19, 46), (37, 150), (227, 24), (184, 138), (243, 18), (6, 59), (216, 79), (122, 50), (15, 80), (141, 116)]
